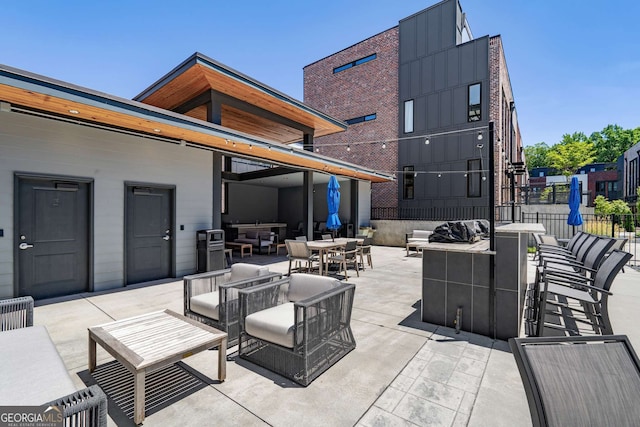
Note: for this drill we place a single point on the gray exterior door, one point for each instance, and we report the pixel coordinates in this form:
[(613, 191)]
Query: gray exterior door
[(148, 233), (52, 237)]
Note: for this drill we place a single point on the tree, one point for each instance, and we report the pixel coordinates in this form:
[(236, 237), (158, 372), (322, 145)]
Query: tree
[(536, 155), (570, 155), (612, 141)]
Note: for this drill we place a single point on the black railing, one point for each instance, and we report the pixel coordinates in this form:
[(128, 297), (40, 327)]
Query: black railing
[(503, 213), (617, 226)]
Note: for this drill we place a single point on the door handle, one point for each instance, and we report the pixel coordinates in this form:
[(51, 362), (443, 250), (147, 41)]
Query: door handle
[(24, 246), (166, 237)]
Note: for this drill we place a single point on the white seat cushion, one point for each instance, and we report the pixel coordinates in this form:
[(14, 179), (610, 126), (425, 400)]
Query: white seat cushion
[(207, 305), (31, 370), (274, 324)]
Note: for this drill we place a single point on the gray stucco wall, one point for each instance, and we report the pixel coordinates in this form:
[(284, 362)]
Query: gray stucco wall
[(436, 73), (37, 145)]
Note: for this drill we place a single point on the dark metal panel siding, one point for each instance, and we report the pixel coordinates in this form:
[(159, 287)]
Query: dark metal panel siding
[(433, 112), (407, 40), (434, 23), (421, 35), (453, 61), (427, 74), (404, 82), (446, 108), (440, 70), (414, 76)]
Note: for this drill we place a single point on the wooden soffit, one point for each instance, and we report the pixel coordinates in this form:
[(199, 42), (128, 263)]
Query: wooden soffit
[(199, 74), (28, 92)]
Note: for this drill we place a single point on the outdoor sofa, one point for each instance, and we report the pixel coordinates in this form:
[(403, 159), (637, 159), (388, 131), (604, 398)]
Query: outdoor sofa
[(32, 372), (258, 239), (416, 239)]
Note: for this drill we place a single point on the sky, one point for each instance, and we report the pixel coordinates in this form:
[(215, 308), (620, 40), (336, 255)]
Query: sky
[(574, 65)]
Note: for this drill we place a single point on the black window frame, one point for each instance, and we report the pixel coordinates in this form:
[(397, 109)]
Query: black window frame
[(361, 119), (357, 62), (474, 111), (408, 183), (474, 178), (413, 115)]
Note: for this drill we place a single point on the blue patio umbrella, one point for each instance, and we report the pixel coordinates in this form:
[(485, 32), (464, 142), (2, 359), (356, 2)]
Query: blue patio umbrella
[(575, 218), (333, 203)]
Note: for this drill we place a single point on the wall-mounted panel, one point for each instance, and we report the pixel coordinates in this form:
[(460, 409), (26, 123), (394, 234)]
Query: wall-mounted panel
[(446, 108), (433, 111), (453, 68), (407, 40), (427, 74)]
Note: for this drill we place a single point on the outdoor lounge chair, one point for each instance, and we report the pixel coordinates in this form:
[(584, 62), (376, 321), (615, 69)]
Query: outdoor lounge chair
[(560, 290), (579, 381), (32, 371), (212, 297), (297, 327)]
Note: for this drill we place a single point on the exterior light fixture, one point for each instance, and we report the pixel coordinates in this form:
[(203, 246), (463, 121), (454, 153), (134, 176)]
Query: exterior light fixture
[(74, 111), (426, 141), (348, 148), (234, 143), (226, 141), (439, 175), (484, 178), (317, 149), (384, 145), (479, 136), (480, 146), (269, 148), (157, 130), (250, 147), (183, 143), (415, 174)]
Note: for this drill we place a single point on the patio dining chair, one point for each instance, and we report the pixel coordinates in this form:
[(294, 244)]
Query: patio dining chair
[(578, 299), (348, 255), (297, 327), (579, 381), (212, 297), (299, 253), (364, 250)]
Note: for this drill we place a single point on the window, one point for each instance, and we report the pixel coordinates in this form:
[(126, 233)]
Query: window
[(408, 116), (541, 174), (409, 180), (474, 103), (354, 63), (361, 119), (474, 178)]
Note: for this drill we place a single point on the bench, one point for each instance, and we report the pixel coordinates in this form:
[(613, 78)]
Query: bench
[(33, 373), (241, 247), (417, 240)]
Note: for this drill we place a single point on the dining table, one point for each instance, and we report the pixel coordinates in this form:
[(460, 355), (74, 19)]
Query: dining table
[(323, 247)]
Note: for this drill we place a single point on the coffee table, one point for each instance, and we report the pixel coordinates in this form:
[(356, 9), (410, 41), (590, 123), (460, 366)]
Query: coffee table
[(152, 341)]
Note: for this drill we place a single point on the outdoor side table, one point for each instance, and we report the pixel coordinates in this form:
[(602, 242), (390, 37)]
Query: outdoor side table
[(152, 341)]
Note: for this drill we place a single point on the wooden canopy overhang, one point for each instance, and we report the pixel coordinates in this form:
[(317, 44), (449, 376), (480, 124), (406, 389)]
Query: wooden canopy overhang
[(26, 92)]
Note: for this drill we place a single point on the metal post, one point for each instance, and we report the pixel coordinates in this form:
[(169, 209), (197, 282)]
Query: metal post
[(492, 235)]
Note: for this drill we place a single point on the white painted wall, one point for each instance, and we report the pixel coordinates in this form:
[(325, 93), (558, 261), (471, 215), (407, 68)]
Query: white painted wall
[(37, 145)]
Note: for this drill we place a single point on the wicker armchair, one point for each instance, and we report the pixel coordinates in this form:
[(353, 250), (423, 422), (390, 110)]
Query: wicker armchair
[(86, 407), (212, 297), (297, 327)]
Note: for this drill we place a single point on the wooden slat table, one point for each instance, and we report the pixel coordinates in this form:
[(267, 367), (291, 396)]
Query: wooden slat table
[(152, 341)]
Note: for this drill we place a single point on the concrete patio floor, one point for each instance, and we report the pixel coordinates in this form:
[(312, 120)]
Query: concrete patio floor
[(403, 372)]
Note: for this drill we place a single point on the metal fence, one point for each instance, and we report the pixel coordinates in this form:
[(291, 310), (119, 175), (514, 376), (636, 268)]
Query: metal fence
[(617, 226), (503, 213)]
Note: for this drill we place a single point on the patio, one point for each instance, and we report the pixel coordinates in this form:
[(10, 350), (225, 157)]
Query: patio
[(402, 372)]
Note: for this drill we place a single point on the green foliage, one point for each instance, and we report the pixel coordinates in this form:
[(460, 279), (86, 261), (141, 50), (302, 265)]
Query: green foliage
[(616, 207), (608, 145), (612, 141), (536, 155), (571, 154)]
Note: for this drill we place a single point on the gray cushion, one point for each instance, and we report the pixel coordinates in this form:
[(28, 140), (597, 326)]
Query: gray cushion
[(207, 305), (251, 234), (31, 370), (274, 324), (303, 286)]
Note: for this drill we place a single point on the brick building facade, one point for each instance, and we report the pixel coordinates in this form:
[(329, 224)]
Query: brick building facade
[(347, 95), (431, 61)]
